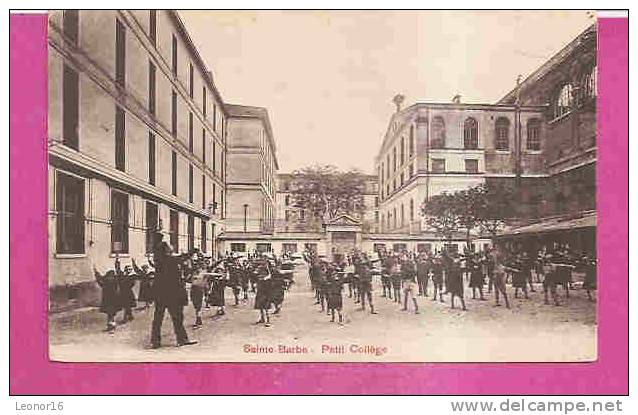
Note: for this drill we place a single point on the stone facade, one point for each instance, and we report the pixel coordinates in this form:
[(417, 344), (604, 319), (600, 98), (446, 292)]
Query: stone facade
[(137, 143), (566, 87), (252, 168), (430, 148)]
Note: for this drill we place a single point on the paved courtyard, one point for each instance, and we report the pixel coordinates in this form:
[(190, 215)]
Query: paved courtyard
[(529, 332)]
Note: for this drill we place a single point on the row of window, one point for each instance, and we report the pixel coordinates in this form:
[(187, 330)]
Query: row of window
[(289, 247), (71, 103), (470, 140), (437, 165), (70, 224), (569, 96), (71, 117), (395, 221)]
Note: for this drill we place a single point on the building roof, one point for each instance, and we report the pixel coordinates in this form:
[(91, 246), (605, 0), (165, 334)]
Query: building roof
[(551, 63), (554, 224), (248, 111), (206, 74)]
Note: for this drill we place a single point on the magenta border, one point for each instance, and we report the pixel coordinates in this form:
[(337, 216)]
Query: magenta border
[(32, 373)]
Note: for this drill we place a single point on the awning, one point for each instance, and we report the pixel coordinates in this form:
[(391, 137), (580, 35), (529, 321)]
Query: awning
[(555, 224)]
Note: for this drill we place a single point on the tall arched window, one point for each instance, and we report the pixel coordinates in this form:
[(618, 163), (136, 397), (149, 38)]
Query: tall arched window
[(588, 84), (402, 216), (438, 133), (563, 102), (534, 134), (502, 134), (470, 133)]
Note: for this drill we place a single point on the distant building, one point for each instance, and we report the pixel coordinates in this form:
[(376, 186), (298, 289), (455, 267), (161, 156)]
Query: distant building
[(291, 218), (252, 170), (430, 148)]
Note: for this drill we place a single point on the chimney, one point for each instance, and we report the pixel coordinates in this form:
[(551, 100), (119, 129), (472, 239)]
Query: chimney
[(456, 99), (398, 100)]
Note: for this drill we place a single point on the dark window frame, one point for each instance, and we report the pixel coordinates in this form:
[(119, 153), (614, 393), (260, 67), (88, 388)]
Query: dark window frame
[(533, 142), (120, 204), (174, 114), (70, 221), (501, 132), (470, 133), (203, 228), (470, 163), (190, 132), (152, 226), (174, 173), (174, 230), (151, 158), (152, 88), (191, 232), (71, 25), (437, 163), (191, 81), (120, 54), (71, 108), (190, 183), (174, 56), (438, 133), (120, 138), (152, 24)]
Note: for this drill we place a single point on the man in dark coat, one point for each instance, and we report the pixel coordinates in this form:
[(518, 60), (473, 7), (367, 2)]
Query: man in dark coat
[(365, 285), (423, 266), (455, 281), (437, 278), (170, 294)]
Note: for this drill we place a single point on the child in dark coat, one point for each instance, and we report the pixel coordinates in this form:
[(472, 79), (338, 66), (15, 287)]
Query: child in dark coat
[(145, 275), (110, 304), (334, 287), (126, 281), (263, 295)]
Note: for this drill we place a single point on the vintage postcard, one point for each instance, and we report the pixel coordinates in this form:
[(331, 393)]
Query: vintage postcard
[(322, 186)]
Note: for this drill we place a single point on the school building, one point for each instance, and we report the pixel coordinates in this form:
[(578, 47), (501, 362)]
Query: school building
[(140, 140), (137, 136)]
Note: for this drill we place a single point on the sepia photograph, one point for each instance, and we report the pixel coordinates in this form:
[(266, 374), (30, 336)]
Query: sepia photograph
[(322, 186)]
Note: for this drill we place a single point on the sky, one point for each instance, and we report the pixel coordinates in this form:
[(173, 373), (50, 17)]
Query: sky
[(327, 78)]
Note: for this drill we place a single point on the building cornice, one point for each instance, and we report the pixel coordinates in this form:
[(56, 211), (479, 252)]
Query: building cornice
[(206, 73), (64, 157)]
